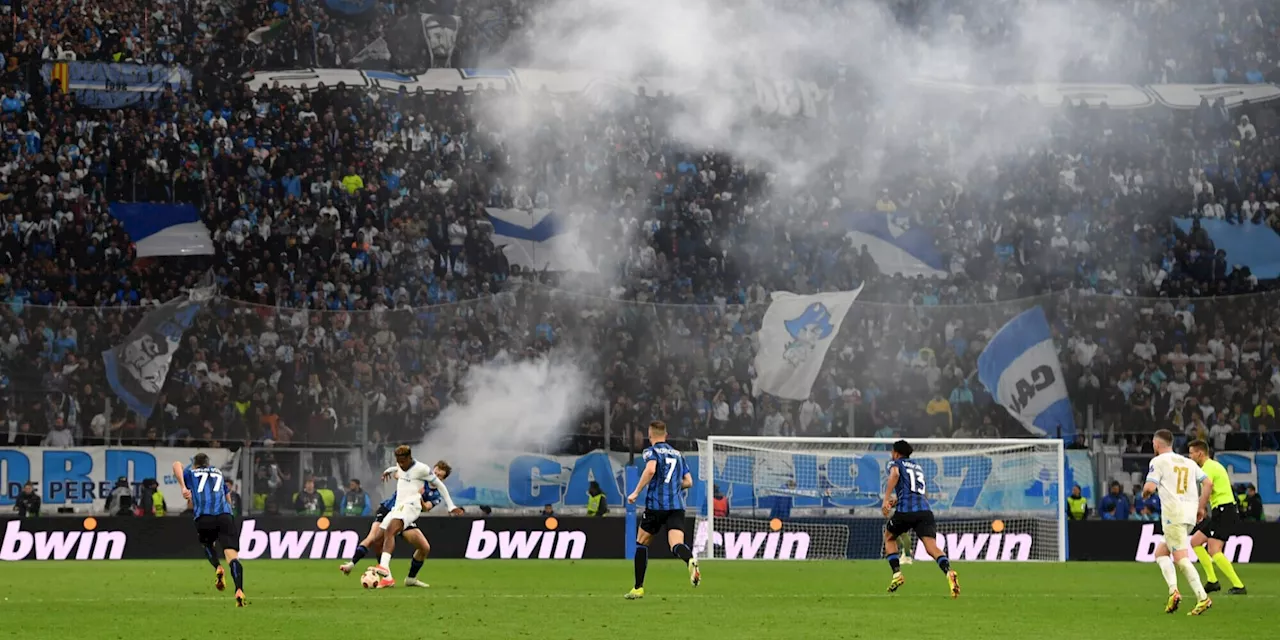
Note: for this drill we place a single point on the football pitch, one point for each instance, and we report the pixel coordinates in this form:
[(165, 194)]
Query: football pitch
[(144, 600)]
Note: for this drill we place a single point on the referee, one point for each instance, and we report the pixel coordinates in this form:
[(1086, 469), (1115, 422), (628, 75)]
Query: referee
[(1217, 526)]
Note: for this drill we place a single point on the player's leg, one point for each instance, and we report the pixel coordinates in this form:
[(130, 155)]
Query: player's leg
[(905, 549), (1177, 540), (229, 540), (391, 528), (421, 549), (1198, 541), (1223, 521), (1165, 562), (207, 531), (892, 529), (675, 538), (650, 524), (362, 549), (927, 530)]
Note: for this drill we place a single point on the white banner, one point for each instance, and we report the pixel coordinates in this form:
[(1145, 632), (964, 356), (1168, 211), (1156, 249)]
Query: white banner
[(794, 338), (82, 478)]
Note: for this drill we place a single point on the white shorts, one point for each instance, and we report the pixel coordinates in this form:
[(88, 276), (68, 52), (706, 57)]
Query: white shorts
[(406, 513), (1177, 535)]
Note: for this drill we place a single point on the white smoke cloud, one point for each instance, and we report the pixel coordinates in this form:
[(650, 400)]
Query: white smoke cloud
[(510, 405), (710, 53)]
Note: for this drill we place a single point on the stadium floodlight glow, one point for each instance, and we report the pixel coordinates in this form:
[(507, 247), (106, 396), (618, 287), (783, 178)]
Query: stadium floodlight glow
[(820, 498)]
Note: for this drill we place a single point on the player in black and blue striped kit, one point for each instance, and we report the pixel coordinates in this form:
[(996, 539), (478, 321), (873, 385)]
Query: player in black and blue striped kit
[(203, 486), (666, 477), (906, 494)]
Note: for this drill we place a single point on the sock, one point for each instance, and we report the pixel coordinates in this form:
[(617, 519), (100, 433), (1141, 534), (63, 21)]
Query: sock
[(642, 563), (237, 574), (894, 563), (1166, 569), (208, 553), (944, 563), (1206, 564), (415, 565), (1192, 576), (356, 557), (1227, 570), (682, 551), (385, 561)]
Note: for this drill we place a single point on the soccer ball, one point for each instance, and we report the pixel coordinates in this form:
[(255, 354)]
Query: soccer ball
[(370, 579)]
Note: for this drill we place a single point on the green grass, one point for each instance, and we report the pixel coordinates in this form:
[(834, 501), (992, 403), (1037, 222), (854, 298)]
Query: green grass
[(172, 600)]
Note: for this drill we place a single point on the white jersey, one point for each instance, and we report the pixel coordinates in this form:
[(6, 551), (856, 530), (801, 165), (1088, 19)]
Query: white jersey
[(409, 483), (1178, 484)]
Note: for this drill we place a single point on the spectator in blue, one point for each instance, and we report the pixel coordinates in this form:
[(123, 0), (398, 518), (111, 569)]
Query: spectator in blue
[(1114, 505), (781, 508), (355, 502)]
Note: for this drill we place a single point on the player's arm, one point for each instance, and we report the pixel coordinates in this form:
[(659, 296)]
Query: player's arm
[(389, 472), (1206, 488), (180, 472), (889, 486), (438, 485), (1152, 484), (650, 468), (686, 481)]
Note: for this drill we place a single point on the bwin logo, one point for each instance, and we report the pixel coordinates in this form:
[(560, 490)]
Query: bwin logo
[(522, 545)]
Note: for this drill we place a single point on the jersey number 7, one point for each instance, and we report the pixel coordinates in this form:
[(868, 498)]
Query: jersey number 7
[(671, 467), (204, 479)]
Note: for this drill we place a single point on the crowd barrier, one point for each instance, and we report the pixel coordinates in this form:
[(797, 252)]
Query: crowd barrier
[(551, 538)]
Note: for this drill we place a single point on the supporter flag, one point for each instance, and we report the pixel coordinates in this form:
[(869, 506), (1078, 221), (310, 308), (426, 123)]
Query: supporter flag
[(1021, 370), (268, 32), (137, 369), (164, 229), (794, 338), (538, 239), (60, 76)]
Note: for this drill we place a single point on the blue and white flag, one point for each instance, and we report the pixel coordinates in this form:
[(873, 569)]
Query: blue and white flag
[(164, 229), (538, 239), (137, 369), (794, 338), (1021, 370)]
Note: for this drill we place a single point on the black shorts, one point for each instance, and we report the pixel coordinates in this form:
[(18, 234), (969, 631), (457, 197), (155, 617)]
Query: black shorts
[(221, 529), (382, 513), (920, 522), (1220, 523), (654, 520)]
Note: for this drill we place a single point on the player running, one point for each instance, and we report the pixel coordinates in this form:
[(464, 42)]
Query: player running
[(1176, 479), (411, 476), (210, 501), (905, 491), (1216, 528), (430, 498), (667, 477)]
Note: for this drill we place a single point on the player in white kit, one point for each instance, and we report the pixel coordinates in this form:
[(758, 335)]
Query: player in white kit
[(1184, 498), (410, 476)]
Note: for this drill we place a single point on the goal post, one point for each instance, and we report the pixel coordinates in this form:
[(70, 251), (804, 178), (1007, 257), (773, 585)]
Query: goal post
[(820, 498)]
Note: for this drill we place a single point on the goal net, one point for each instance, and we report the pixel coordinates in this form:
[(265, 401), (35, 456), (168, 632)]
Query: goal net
[(820, 498)]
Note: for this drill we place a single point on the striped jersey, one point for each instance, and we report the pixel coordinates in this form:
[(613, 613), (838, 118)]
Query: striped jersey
[(431, 496), (208, 495), (910, 490), (664, 493)]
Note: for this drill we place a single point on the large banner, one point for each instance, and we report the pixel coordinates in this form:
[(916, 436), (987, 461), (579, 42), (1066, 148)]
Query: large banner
[(782, 97), (1135, 541), (86, 476), (114, 85), (1021, 370), (413, 44), (1259, 470), (794, 337), (958, 484)]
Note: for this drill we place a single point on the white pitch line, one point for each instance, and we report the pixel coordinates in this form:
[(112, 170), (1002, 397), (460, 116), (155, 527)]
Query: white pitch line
[(601, 596)]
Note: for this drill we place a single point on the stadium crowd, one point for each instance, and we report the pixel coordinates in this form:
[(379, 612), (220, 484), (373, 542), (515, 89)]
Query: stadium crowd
[(359, 281)]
